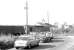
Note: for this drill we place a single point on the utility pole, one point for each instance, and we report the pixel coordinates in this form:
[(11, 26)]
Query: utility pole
[(26, 17), (48, 19), (48, 16), (26, 12)]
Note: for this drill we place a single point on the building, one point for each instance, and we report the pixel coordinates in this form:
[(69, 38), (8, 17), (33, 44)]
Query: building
[(11, 29), (39, 28)]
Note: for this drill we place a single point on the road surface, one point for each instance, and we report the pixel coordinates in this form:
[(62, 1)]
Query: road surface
[(64, 43), (67, 44)]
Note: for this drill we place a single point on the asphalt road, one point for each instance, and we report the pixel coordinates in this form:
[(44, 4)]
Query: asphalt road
[(49, 45), (68, 44), (60, 43)]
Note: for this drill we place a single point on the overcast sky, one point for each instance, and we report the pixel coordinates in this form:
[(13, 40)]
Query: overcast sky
[(12, 12)]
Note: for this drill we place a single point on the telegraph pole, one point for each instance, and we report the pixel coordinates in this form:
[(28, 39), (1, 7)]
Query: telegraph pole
[(26, 17), (26, 12), (48, 16)]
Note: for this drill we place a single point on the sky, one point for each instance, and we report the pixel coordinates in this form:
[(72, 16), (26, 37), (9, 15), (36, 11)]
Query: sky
[(12, 12)]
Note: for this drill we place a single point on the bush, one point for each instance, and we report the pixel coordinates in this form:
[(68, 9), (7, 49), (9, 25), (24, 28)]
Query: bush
[(6, 42), (6, 45)]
